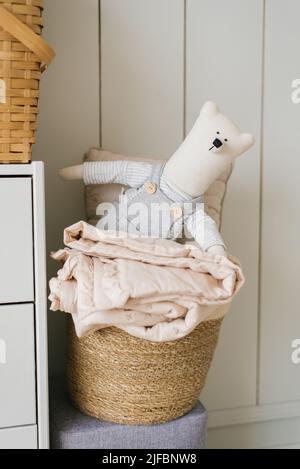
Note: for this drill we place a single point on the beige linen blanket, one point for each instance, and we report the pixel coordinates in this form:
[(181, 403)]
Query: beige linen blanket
[(154, 289)]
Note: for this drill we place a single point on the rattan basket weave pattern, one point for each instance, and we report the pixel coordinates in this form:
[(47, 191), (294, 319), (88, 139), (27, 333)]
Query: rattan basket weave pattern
[(23, 54), (119, 378)]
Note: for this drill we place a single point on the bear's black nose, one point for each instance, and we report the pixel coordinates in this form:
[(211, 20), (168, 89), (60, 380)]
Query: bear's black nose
[(217, 143)]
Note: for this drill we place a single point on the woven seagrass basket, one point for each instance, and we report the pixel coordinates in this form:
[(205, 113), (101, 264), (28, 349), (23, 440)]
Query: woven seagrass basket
[(116, 377), (24, 55)]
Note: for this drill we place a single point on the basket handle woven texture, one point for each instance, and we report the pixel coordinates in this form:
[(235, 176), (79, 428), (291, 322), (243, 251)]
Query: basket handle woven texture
[(29, 38)]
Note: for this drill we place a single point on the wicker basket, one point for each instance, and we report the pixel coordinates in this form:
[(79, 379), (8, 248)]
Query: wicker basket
[(119, 378), (23, 57)]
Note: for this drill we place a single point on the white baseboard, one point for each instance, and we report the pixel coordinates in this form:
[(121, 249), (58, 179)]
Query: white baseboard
[(294, 446), (246, 415), (271, 434)]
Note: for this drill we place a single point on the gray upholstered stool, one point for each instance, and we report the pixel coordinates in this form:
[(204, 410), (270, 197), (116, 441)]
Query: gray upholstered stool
[(70, 429)]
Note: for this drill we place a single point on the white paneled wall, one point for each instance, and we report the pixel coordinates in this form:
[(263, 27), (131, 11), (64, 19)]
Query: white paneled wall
[(142, 76), (223, 63), (160, 60), (280, 320)]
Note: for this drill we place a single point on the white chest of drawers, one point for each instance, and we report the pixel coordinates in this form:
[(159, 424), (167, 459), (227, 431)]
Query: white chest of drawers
[(23, 309)]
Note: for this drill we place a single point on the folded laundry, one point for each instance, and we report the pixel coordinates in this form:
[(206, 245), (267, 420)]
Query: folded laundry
[(152, 288)]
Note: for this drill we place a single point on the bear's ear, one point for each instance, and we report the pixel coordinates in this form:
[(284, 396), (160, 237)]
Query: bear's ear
[(209, 109), (247, 141)]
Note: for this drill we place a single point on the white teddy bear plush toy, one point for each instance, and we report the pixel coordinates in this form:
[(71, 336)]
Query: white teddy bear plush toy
[(178, 185)]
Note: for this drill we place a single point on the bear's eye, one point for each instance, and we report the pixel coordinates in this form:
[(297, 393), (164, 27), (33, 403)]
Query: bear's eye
[(225, 140), (218, 133)]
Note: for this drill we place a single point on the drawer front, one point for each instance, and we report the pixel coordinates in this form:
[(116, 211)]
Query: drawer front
[(17, 366), (19, 438), (16, 241)]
